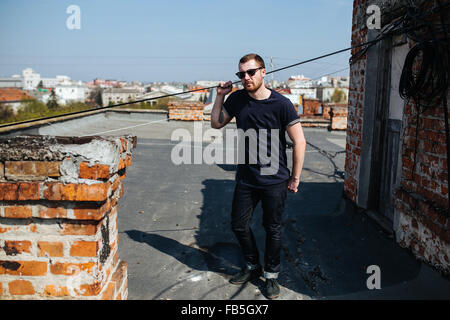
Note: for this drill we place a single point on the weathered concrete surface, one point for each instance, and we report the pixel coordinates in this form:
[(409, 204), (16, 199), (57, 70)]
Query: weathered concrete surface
[(175, 231)]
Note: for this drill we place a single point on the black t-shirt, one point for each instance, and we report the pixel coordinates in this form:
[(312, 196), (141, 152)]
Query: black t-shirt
[(275, 112)]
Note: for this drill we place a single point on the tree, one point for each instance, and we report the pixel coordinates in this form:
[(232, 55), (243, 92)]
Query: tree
[(338, 96), (52, 103), (6, 112), (99, 99), (40, 85), (95, 97)]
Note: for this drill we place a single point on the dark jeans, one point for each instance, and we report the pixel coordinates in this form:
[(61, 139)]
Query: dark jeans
[(272, 202)]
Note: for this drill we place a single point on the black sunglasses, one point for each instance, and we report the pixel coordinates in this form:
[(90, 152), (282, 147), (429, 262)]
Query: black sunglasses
[(251, 73)]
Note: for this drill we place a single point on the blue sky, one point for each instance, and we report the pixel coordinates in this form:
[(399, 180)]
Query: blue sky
[(171, 40)]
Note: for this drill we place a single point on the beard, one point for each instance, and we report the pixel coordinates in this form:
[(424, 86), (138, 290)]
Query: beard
[(254, 87)]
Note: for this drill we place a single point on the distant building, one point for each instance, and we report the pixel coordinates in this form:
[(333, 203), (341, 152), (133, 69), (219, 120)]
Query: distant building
[(324, 93), (102, 83), (153, 95), (206, 83), (301, 86), (119, 95), (340, 81), (299, 82), (310, 93), (13, 82), (198, 95), (32, 79), (13, 97), (70, 93), (54, 82)]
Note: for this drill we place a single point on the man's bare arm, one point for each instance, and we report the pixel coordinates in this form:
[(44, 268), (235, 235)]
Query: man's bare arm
[(219, 117), (295, 132)]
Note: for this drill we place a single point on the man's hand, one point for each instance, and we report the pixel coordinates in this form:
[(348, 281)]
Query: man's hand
[(224, 88), (293, 184)]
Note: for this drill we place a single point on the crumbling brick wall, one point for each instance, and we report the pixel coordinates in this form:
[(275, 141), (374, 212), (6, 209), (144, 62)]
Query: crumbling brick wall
[(355, 103), (311, 107), (185, 110), (338, 117), (59, 219), (421, 221), (421, 200), (326, 112)]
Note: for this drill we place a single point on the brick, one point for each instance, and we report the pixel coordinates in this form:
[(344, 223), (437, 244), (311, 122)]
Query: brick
[(91, 289), (2, 170), (79, 228), (70, 269), (28, 228), (18, 212), (1, 289), (8, 191), (108, 294), (119, 275), (53, 213), (56, 291), (23, 268), (19, 191), (122, 164), (125, 162), (28, 191), (116, 182), (91, 211), (84, 249), (13, 248), (129, 160), (123, 145), (76, 192), (50, 249), (20, 287), (95, 172), (31, 170)]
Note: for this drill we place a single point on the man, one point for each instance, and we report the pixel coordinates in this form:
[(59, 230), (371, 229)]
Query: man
[(263, 110)]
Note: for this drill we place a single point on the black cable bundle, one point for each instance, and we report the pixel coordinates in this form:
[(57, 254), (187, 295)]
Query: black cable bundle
[(427, 86)]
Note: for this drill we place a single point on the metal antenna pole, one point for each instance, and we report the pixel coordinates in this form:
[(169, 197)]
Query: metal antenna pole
[(271, 68)]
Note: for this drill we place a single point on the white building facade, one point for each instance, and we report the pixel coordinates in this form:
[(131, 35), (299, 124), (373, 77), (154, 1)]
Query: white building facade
[(70, 93), (324, 93), (119, 95), (31, 80)]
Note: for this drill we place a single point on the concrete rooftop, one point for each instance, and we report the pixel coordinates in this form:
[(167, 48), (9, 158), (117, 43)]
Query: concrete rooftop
[(174, 224)]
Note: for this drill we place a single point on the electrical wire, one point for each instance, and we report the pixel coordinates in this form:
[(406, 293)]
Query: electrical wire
[(387, 31), (365, 46), (190, 91)]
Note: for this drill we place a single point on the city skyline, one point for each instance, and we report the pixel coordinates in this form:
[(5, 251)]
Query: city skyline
[(19, 75), (181, 41)]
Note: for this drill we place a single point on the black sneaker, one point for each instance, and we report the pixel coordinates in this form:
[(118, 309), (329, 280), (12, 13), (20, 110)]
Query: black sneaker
[(272, 288), (246, 275)]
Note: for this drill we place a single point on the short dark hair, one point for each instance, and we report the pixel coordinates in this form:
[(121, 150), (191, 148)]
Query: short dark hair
[(252, 56)]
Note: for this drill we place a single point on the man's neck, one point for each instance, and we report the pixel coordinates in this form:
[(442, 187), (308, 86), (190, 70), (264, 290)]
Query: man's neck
[(261, 94)]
